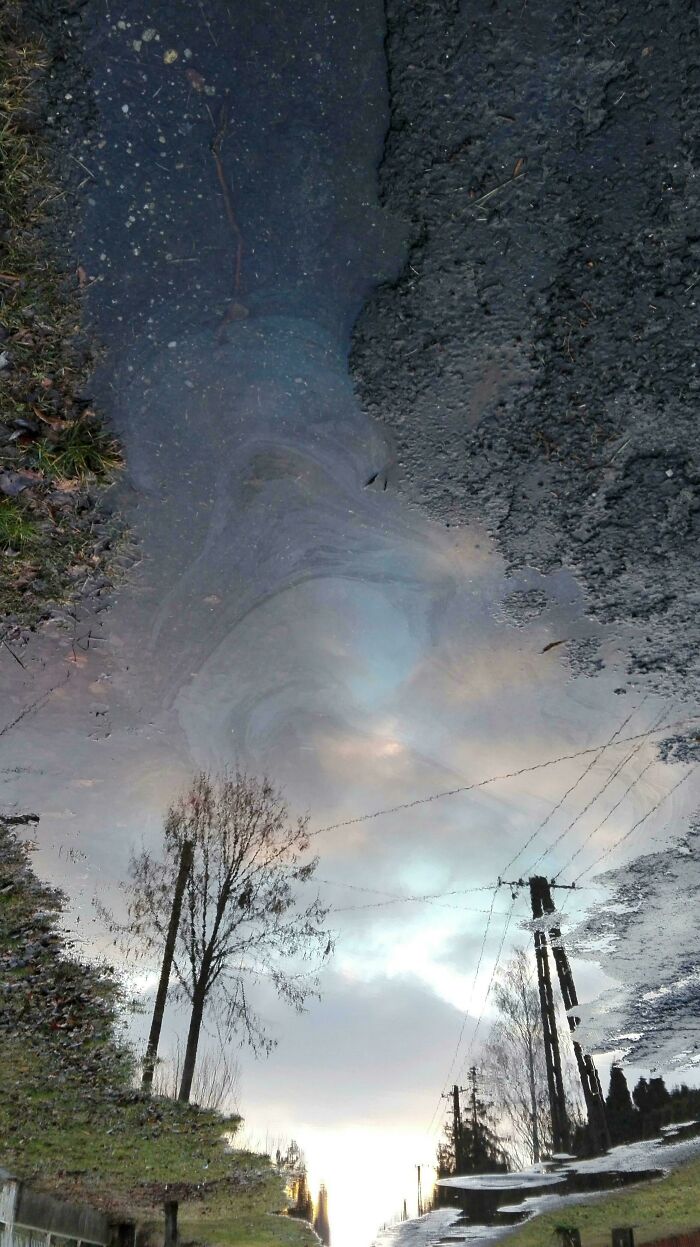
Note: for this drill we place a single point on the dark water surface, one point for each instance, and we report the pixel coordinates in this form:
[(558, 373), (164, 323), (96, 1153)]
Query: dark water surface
[(285, 613)]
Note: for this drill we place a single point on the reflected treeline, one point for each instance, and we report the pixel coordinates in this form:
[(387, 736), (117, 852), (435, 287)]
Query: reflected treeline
[(500, 1121), (303, 1206)]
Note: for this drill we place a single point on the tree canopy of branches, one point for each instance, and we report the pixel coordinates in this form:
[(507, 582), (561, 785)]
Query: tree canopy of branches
[(514, 1060), (514, 1063), (242, 919)]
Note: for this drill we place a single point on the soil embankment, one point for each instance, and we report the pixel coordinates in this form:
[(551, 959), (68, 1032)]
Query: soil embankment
[(535, 362)]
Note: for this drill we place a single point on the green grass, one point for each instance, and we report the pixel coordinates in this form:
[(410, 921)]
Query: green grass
[(248, 1220), (665, 1206), (18, 531), (118, 1154), (80, 452)]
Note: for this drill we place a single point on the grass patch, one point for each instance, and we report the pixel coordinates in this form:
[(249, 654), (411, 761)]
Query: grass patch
[(666, 1206), (18, 530), (251, 1220), (81, 451), (52, 446)]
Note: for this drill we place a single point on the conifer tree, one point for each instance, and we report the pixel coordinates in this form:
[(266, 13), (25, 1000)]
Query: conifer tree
[(640, 1095), (474, 1146), (623, 1120)]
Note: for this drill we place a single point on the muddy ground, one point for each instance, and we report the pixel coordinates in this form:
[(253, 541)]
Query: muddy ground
[(535, 363)]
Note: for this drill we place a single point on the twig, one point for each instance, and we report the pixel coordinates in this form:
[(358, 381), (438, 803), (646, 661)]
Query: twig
[(206, 23), (226, 192), (476, 203), (82, 166), (4, 642)]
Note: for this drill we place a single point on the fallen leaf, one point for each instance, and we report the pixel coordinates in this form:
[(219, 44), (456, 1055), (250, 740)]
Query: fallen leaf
[(519, 165), (81, 275), (170, 56), (54, 422)]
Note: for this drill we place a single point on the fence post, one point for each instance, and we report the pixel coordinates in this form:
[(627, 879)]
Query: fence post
[(569, 1236), (622, 1237)]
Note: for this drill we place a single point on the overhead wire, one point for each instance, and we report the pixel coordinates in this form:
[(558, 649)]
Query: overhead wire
[(596, 750), (613, 740), (596, 796), (594, 760), (396, 898), (466, 1014), (611, 848), (356, 887), (493, 779), (460, 909), (579, 850), (492, 980)]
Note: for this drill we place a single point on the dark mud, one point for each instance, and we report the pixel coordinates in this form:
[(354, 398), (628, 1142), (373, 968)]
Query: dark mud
[(535, 362)]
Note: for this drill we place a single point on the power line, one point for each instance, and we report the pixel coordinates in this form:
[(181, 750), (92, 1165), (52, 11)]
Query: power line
[(356, 887), (573, 786), (466, 1014), (611, 777), (399, 900), (493, 779), (34, 705), (494, 972), (597, 752), (654, 808), (604, 820), (606, 852), (396, 898)]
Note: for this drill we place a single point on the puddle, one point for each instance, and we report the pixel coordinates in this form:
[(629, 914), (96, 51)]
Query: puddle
[(482, 1208), (287, 612)]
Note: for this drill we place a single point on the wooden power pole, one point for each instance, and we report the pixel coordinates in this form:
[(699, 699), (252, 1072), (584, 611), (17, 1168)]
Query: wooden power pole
[(590, 1082), (149, 1063), (555, 1082), (457, 1128)]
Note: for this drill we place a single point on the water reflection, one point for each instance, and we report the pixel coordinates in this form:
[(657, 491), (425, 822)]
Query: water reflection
[(482, 1208), (286, 612)]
